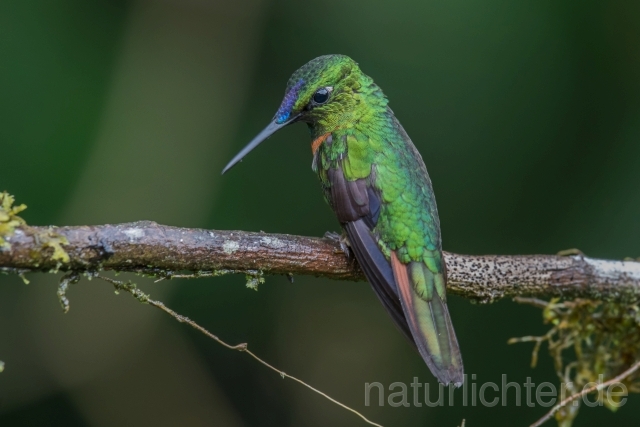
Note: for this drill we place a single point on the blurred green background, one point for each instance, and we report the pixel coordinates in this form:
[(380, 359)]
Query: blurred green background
[(527, 115)]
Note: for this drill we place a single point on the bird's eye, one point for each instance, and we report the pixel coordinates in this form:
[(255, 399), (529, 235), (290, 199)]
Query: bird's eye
[(321, 96)]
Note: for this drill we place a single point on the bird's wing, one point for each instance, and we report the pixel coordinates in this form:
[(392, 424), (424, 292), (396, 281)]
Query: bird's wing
[(412, 293), (357, 206)]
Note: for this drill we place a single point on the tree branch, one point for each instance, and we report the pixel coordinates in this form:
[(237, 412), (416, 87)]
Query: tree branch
[(147, 247)]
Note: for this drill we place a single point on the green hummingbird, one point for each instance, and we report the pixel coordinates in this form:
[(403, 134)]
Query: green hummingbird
[(374, 179)]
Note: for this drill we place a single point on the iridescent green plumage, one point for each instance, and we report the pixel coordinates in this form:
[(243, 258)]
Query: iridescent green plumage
[(375, 180)]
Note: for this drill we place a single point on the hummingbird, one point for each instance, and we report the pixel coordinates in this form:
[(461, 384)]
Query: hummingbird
[(376, 182)]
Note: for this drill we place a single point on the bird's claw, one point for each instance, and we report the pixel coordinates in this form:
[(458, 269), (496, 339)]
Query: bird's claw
[(332, 235), (343, 241)]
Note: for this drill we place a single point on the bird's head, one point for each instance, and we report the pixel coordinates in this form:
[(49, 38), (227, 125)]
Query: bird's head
[(327, 93)]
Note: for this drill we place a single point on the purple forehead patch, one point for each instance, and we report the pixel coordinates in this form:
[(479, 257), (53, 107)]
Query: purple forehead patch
[(287, 103)]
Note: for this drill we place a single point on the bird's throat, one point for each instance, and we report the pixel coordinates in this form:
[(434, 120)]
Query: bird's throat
[(318, 142)]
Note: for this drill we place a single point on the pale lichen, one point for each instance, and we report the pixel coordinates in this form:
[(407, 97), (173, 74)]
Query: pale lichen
[(254, 279), (272, 242), (127, 286), (9, 219), (230, 246), (10, 222), (51, 239), (134, 233), (65, 281)]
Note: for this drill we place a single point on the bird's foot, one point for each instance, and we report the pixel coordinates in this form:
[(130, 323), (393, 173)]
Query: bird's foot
[(570, 252), (343, 240)]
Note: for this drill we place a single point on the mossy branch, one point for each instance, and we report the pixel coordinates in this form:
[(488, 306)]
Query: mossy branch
[(164, 251), (170, 252)]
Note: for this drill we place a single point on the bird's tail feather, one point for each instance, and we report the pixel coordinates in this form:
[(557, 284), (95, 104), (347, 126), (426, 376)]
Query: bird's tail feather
[(428, 317)]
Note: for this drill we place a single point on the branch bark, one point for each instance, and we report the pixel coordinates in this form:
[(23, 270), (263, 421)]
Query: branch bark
[(147, 247)]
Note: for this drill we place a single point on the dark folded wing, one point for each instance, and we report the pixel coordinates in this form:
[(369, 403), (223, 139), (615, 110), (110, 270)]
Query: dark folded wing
[(357, 206), (378, 271)]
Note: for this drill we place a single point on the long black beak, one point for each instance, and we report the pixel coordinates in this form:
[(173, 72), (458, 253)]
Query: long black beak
[(272, 128)]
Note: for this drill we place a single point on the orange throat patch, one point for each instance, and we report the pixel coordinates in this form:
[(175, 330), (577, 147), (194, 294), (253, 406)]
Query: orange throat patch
[(318, 142)]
